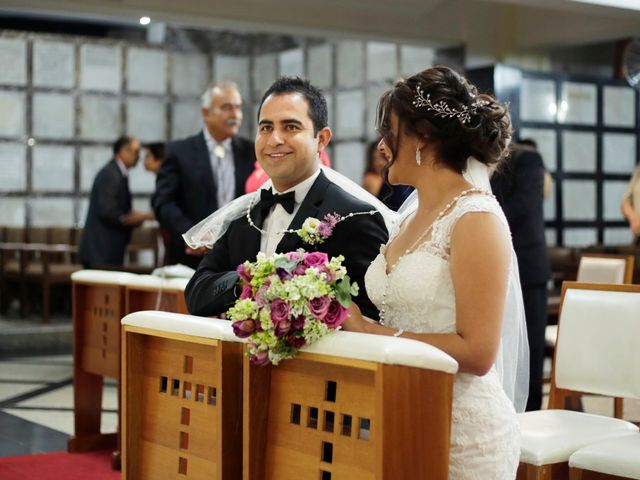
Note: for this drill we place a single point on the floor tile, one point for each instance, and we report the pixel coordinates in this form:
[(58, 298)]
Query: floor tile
[(21, 437)]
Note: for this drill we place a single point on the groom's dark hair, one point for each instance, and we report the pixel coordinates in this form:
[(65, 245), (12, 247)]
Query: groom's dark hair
[(313, 95)]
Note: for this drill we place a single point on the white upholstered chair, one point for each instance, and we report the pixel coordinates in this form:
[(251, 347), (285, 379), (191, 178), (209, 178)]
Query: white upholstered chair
[(598, 352), (611, 459), (598, 268)]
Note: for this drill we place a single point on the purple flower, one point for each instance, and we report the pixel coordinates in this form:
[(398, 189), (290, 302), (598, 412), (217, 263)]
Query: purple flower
[(244, 273), (282, 328), (325, 230), (279, 310), (260, 358), (298, 322), (335, 314), (319, 306), (315, 259), (243, 328), (283, 274), (247, 292), (295, 341), (332, 219)]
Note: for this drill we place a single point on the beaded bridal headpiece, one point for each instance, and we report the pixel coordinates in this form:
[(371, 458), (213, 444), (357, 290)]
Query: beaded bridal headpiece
[(442, 109)]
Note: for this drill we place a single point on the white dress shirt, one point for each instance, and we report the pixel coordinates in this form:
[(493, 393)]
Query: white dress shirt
[(123, 168), (224, 170), (279, 219)]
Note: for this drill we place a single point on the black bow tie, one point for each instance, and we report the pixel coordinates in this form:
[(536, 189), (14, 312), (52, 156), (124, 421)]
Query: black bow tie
[(269, 199)]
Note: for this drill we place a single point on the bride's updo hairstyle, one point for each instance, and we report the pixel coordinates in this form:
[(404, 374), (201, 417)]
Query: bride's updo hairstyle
[(443, 108)]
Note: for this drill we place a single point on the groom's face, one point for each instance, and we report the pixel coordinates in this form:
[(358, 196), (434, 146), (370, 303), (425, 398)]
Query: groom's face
[(286, 146)]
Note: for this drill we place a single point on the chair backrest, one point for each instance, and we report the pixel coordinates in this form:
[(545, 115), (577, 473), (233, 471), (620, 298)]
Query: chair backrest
[(602, 268), (598, 347), (60, 235), (14, 234), (37, 235), (143, 239)]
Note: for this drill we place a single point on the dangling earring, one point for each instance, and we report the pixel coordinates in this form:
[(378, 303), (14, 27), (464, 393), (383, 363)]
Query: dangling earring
[(418, 156)]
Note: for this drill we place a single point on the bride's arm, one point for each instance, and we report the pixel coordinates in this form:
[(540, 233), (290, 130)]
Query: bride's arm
[(480, 257)]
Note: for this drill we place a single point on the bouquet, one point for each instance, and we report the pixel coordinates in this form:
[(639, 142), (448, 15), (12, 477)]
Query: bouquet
[(289, 300)]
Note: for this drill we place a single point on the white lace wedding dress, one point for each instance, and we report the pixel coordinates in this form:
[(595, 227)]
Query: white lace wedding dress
[(419, 297)]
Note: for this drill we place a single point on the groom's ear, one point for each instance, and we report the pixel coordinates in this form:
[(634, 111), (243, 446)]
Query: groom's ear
[(324, 137)]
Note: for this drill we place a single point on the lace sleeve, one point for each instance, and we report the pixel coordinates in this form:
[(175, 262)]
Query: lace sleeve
[(441, 236)]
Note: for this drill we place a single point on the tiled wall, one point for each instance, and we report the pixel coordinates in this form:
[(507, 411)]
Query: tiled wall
[(587, 133), (65, 100)]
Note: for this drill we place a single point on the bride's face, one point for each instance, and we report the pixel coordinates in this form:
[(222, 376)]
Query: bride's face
[(403, 169)]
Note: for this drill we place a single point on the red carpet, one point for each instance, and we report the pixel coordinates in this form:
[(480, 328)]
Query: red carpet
[(59, 466)]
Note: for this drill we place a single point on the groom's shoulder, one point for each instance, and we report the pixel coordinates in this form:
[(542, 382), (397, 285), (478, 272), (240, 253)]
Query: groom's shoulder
[(347, 201)]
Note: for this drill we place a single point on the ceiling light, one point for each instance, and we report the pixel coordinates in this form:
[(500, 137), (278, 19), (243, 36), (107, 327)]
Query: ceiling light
[(627, 4), (145, 20)]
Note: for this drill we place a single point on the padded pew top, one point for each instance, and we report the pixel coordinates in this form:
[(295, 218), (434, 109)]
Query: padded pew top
[(152, 281), (357, 346), (108, 277)]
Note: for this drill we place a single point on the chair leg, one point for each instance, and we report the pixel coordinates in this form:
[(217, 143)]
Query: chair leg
[(533, 472), (575, 473), (618, 406), (46, 301)]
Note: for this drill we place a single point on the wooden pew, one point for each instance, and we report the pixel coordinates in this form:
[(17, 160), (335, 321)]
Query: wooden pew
[(100, 300), (147, 292), (352, 406), (181, 398)]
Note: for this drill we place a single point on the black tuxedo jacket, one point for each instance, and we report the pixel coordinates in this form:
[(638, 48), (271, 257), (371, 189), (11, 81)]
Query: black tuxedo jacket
[(185, 190), (519, 187), (211, 289), (105, 238)]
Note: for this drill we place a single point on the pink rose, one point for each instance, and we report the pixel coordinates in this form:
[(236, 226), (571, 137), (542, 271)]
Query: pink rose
[(247, 292), (319, 306), (293, 256), (315, 259), (260, 358), (279, 310), (282, 328), (335, 314), (244, 274), (243, 328)]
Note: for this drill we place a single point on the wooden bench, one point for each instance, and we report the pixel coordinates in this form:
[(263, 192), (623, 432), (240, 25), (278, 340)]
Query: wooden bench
[(352, 406), (100, 300)]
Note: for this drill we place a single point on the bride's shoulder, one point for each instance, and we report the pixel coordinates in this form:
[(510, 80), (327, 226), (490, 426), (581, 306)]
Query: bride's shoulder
[(483, 202)]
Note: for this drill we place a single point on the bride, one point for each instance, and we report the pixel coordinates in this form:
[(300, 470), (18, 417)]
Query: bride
[(448, 275)]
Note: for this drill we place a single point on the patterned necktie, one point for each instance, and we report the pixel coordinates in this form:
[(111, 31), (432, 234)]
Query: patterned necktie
[(269, 199)]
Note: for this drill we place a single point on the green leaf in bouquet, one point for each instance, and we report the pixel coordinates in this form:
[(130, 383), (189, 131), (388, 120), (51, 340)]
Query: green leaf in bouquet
[(344, 291), (283, 262)]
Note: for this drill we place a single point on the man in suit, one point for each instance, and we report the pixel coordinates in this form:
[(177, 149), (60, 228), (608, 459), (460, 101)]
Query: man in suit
[(519, 187), (110, 220), (204, 172), (292, 131)]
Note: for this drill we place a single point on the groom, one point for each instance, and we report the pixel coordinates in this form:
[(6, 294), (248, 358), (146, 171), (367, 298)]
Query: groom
[(292, 131)]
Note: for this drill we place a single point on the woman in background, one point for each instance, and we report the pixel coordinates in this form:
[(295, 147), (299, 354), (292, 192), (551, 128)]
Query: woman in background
[(374, 180)]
